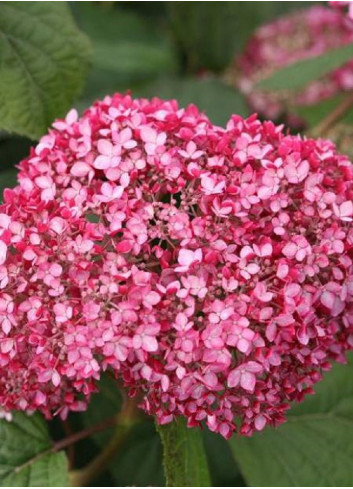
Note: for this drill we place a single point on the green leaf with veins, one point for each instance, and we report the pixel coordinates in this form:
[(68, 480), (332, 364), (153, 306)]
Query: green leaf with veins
[(43, 64), (25, 456), (313, 448)]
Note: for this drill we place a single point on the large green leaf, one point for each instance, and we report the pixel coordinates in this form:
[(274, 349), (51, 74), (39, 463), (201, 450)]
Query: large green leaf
[(185, 462), (224, 472), (297, 75), (43, 63), (315, 446), (213, 97), (25, 457)]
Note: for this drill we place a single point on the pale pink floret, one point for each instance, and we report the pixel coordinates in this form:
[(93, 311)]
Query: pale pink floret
[(244, 375)]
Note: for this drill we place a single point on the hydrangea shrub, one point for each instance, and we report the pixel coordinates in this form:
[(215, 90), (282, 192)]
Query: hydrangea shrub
[(210, 269)]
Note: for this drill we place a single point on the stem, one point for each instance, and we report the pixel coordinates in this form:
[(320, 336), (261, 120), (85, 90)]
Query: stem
[(328, 122), (124, 421), (75, 437), (184, 457), (66, 442)]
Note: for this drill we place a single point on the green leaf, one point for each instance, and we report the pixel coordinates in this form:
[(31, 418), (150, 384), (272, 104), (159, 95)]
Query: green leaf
[(114, 23), (224, 472), (43, 64), (185, 462), (315, 446), (213, 97), (133, 59), (25, 458), (298, 75), (139, 461)]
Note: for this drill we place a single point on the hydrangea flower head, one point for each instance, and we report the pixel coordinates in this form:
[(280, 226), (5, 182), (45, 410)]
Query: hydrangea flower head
[(209, 269), (297, 36)]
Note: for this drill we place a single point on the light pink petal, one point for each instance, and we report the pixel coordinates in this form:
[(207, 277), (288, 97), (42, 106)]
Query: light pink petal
[(3, 252), (254, 367), (327, 299), (151, 299), (5, 221), (186, 257), (243, 345), (55, 378), (44, 182), (233, 378), (6, 345), (71, 117), (260, 422), (102, 162), (105, 147), (148, 135), (80, 169), (149, 343), (125, 135), (346, 209), (248, 381), (290, 250)]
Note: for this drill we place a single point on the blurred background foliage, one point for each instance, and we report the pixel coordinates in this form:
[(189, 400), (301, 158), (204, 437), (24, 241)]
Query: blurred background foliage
[(171, 50)]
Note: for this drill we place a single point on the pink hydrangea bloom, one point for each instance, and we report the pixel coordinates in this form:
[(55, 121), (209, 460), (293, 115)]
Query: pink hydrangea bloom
[(297, 36), (209, 269)]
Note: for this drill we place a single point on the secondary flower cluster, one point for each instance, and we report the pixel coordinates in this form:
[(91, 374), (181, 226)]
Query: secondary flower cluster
[(292, 38), (345, 6), (210, 269)]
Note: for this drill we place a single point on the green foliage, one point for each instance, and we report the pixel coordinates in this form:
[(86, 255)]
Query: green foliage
[(212, 96), (139, 462), (43, 63), (204, 33), (314, 448), (175, 51), (103, 406), (185, 462), (298, 75), (8, 179), (224, 471), (209, 34), (134, 59), (129, 51), (25, 458)]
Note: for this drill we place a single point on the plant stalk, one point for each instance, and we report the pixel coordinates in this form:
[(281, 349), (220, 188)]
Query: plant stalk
[(124, 421)]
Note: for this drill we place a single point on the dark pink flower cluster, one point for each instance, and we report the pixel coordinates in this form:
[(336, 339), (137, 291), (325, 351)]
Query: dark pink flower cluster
[(301, 35), (210, 269), (346, 6)]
